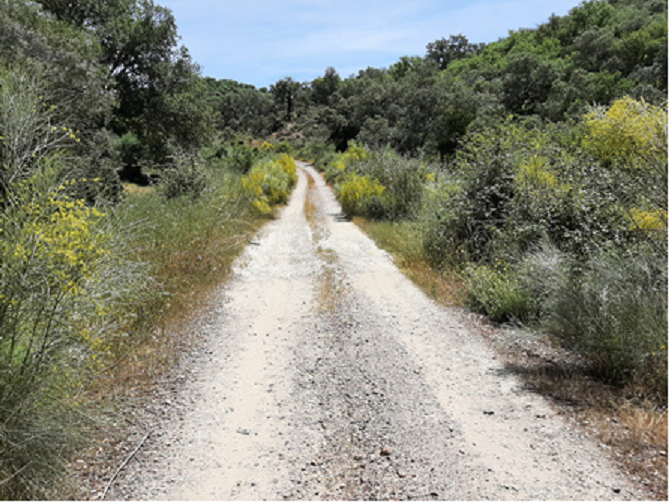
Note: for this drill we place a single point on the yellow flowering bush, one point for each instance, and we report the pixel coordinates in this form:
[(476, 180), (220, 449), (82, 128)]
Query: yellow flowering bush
[(627, 129), (51, 248), (266, 147), (631, 138), (270, 182), (355, 192), (648, 220), (535, 172), (355, 152), (252, 186)]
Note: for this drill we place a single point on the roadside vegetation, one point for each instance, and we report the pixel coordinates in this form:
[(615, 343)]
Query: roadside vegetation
[(87, 284), (555, 229), (562, 227), (549, 218)]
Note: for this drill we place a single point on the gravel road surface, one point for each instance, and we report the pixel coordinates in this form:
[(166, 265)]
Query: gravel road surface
[(325, 374)]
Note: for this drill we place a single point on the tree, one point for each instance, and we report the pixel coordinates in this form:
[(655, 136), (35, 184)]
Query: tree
[(324, 87), (528, 81), (66, 58), (445, 51), (157, 86), (285, 92)]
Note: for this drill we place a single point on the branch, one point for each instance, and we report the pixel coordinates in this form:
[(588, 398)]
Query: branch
[(125, 462)]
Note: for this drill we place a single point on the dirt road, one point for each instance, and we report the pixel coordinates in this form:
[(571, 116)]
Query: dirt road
[(326, 374)]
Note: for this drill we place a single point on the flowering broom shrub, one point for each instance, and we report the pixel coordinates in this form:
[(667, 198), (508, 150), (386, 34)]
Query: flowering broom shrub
[(270, 182), (64, 283), (62, 278), (357, 193)]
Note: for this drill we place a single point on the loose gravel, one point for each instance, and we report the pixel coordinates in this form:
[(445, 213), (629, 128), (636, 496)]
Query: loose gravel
[(323, 373)]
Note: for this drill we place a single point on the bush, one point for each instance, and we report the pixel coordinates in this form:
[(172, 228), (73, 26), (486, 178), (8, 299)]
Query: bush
[(613, 308), (357, 194), (62, 276), (315, 153), (404, 180), (283, 147), (186, 178), (437, 219), (599, 281), (498, 294), (270, 182), (511, 186), (239, 158), (357, 171), (64, 281)]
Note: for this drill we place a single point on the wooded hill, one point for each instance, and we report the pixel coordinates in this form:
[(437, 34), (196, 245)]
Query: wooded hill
[(601, 51)]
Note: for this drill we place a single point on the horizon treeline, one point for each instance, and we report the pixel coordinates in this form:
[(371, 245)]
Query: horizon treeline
[(599, 52), (116, 71)]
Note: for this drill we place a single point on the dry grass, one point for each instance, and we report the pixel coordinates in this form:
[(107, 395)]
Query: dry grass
[(193, 274), (331, 291), (402, 241), (131, 188), (630, 428)]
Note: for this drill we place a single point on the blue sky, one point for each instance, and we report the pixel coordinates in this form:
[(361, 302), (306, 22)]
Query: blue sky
[(261, 41)]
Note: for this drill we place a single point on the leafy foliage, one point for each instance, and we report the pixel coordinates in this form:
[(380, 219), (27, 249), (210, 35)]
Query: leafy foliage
[(64, 277), (597, 54), (548, 234)]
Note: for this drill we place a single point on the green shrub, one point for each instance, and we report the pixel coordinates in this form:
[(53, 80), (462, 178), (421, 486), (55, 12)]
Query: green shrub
[(403, 178), (497, 293), (186, 178), (438, 219), (65, 280), (283, 147), (316, 153), (239, 158), (334, 169), (130, 150), (517, 185), (357, 193), (98, 166), (612, 308)]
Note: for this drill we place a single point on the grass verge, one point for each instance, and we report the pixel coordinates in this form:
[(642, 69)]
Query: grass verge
[(190, 246), (402, 240), (632, 430)]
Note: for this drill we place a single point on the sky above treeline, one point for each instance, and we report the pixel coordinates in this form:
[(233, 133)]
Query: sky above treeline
[(261, 41)]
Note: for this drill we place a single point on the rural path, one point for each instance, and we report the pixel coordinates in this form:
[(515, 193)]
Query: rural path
[(326, 374)]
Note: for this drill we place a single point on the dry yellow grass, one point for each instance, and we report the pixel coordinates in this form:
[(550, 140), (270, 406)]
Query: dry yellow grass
[(131, 188)]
